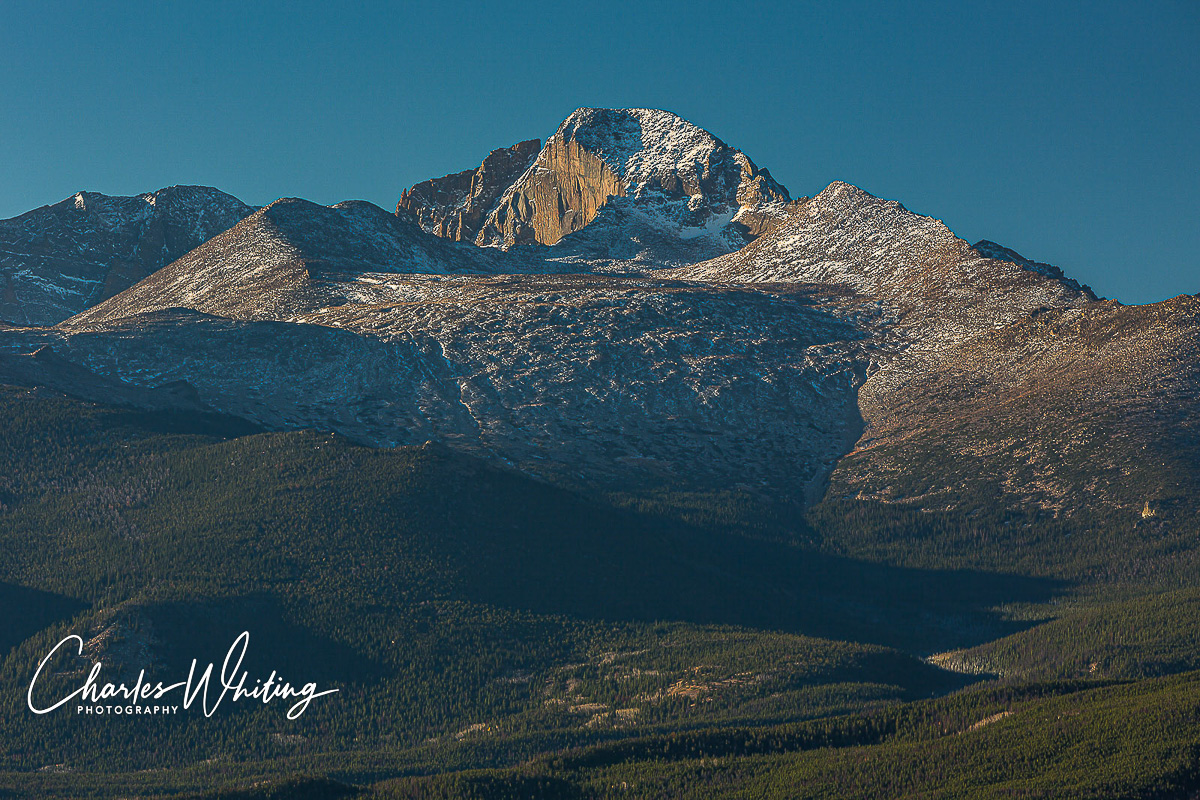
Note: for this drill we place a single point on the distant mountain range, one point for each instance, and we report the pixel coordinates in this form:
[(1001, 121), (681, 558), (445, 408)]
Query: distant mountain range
[(634, 304), (58, 260)]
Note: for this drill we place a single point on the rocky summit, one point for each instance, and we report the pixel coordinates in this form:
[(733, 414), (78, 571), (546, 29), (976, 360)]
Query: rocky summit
[(678, 176)]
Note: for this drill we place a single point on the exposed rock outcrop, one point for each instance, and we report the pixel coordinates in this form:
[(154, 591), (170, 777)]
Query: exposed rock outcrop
[(454, 206), (683, 185), (681, 175), (561, 195)]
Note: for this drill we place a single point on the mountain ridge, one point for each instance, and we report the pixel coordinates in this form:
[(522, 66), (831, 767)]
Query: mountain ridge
[(915, 264), (59, 259), (272, 263), (682, 354), (454, 206)]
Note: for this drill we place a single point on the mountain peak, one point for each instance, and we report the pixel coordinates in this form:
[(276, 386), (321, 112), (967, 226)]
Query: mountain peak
[(650, 148), (679, 176), (59, 259), (680, 179), (840, 197), (621, 135)]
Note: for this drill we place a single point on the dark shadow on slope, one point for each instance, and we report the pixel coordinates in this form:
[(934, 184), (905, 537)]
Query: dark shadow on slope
[(24, 612), (175, 407), (410, 524), (193, 423), (206, 628), (555, 552)]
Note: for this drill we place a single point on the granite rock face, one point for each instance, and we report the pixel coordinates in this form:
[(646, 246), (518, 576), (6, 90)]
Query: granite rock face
[(454, 206), (683, 176), (685, 189), (58, 260), (562, 195)]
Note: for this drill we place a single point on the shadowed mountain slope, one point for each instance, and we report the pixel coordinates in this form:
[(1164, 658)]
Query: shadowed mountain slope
[(58, 260)]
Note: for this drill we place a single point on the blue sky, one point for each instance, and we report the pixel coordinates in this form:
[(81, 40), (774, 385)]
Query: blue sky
[(1065, 131)]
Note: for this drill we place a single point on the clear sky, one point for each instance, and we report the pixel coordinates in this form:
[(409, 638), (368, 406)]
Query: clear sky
[(1066, 131)]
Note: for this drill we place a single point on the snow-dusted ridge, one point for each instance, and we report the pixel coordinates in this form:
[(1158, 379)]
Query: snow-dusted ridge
[(651, 149), (288, 257), (60, 259), (943, 289)]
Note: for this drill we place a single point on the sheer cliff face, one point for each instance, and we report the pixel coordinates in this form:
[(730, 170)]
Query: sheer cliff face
[(454, 206), (560, 195), (677, 178), (680, 175)]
